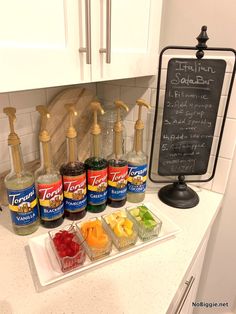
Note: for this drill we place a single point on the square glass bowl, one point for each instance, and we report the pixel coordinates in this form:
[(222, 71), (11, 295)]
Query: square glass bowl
[(147, 223), (96, 241), (121, 229), (67, 247)]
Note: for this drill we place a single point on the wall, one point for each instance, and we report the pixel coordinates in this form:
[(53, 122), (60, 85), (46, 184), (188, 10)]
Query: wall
[(182, 20)]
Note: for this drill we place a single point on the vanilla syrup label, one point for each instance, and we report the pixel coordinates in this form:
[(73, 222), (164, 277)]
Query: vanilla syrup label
[(23, 206), (97, 186), (137, 177), (117, 182), (75, 199), (51, 200)]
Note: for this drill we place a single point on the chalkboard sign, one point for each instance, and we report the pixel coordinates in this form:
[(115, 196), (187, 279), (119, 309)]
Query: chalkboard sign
[(193, 90)]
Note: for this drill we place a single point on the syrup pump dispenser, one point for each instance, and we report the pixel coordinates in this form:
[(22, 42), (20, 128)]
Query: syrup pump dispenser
[(48, 180), (96, 166), (117, 164), (137, 161), (73, 173), (20, 186)]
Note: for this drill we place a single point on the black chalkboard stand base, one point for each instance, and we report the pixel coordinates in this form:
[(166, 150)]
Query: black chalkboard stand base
[(178, 195)]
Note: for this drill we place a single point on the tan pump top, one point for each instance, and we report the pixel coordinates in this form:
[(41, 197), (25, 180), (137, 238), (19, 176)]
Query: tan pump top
[(139, 125), (71, 133), (96, 130), (44, 136), (118, 128), (14, 141)]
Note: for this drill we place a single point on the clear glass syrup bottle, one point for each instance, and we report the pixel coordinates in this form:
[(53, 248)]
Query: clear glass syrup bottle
[(137, 161), (20, 186), (96, 167), (73, 174), (48, 179), (117, 163)]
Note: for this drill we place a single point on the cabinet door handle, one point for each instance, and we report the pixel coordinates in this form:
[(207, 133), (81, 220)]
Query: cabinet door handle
[(87, 49), (107, 50), (187, 289)]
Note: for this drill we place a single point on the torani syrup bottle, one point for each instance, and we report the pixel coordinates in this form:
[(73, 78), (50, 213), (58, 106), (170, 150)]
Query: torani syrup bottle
[(20, 186), (48, 179), (137, 161), (117, 164), (73, 174), (96, 167)]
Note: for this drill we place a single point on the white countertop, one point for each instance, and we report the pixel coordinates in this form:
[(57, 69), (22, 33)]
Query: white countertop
[(144, 282)]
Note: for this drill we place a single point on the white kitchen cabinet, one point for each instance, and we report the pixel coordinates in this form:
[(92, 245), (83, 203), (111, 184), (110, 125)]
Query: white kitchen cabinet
[(187, 292), (39, 44), (41, 41), (135, 28)]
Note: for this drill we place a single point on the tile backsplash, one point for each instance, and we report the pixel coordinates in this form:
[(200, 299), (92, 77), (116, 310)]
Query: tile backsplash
[(128, 90)]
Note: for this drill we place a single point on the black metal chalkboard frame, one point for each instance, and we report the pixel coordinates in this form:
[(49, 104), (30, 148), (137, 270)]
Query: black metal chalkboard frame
[(200, 48), (200, 52)]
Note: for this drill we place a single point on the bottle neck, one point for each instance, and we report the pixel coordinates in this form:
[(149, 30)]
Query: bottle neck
[(96, 146), (72, 152), (46, 156), (17, 164), (138, 141), (118, 146)]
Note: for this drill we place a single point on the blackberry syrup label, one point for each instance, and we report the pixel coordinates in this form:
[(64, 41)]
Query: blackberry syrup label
[(51, 200), (23, 206), (97, 186), (117, 182), (75, 199), (137, 177)]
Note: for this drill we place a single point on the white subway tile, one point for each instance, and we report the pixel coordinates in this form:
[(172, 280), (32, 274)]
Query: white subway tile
[(27, 99), (153, 97), (163, 79), (147, 81), (214, 145), (128, 82), (129, 144), (228, 139), (221, 106), (4, 151), (4, 128), (221, 175), (29, 143), (4, 102), (130, 94), (29, 157), (129, 128), (205, 185), (130, 115), (226, 82), (35, 121), (122, 82), (22, 125), (108, 92), (232, 105), (218, 126), (4, 166)]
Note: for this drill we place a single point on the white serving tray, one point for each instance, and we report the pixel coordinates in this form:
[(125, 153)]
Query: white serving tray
[(49, 271)]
